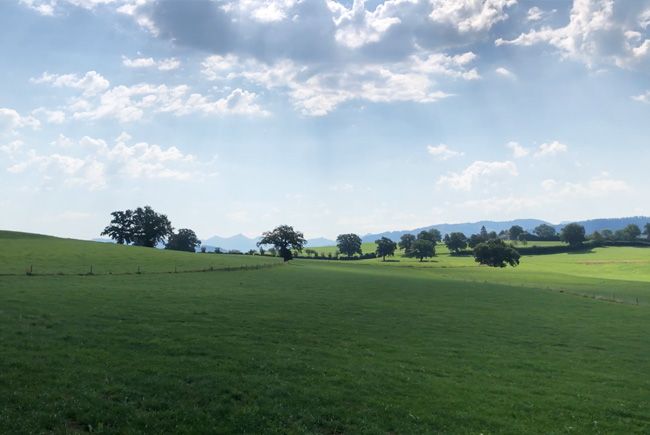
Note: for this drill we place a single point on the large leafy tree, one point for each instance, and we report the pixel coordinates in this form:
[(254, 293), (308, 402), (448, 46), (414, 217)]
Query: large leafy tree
[(573, 234), (631, 232), (646, 230), (431, 235), (285, 240), (183, 240), (121, 227), (545, 232), (456, 242), (349, 244), (385, 248), (406, 241), (515, 231), (422, 249), (150, 228), (496, 253)]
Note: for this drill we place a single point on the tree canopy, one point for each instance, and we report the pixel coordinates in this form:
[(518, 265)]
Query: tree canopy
[(545, 232), (515, 231), (432, 235), (349, 244), (385, 248), (456, 242), (573, 234), (183, 240), (142, 227), (646, 230), (406, 241), (285, 239), (496, 253), (422, 249)]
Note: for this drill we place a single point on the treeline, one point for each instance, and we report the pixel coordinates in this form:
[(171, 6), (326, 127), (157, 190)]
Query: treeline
[(145, 227)]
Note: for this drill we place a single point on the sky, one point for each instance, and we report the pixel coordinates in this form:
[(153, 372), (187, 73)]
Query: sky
[(331, 116)]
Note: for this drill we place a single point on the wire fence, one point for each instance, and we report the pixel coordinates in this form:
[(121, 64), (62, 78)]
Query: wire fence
[(91, 270)]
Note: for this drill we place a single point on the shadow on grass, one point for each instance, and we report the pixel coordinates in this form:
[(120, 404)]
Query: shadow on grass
[(582, 251)]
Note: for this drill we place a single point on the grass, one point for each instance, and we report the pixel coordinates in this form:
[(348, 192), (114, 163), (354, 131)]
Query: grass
[(328, 347), (23, 252)]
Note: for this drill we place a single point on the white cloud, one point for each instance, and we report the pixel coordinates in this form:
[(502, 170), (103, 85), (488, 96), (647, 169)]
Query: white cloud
[(168, 64), (62, 141), (470, 15), (50, 116), (479, 171), (600, 186), (11, 120), (92, 83), (598, 32), (504, 72), (443, 152), (318, 92), (263, 11), (537, 14), (518, 151), (92, 163), (551, 149), (642, 98)]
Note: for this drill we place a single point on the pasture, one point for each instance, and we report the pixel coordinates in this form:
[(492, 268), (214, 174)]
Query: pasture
[(321, 346)]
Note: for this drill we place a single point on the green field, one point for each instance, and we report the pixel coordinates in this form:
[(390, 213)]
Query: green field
[(319, 346)]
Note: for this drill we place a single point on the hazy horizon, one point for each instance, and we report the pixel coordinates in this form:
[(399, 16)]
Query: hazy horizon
[(331, 116)]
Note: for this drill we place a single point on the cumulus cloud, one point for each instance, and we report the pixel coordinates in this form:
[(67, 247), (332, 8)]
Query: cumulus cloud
[(50, 116), (599, 186), (11, 120), (537, 14), (518, 151), (551, 149), (92, 163), (443, 152), (642, 98), (504, 72), (168, 64), (598, 32), (92, 83), (131, 103), (479, 171)]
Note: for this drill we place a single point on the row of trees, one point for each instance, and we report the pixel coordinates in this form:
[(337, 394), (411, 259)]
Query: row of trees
[(144, 227)]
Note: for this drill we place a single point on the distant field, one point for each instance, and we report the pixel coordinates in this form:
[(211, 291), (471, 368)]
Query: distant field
[(21, 252), (326, 346)]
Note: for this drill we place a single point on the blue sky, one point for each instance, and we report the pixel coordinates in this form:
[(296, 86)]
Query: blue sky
[(332, 116)]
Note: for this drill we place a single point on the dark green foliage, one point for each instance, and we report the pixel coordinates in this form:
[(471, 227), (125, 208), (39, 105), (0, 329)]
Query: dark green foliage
[(183, 240), (573, 234), (385, 248), (285, 239), (406, 241), (349, 244), (432, 235), (496, 253), (456, 242), (646, 230), (121, 227), (629, 233), (422, 249), (515, 231), (475, 239), (545, 232)]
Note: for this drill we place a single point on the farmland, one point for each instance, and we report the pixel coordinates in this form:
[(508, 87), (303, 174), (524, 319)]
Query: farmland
[(559, 344)]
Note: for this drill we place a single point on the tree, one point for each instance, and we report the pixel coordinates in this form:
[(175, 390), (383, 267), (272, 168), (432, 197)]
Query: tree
[(456, 242), (475, 240), (121, 227), (385, 248), (631, 232), (545, 232), (515, 231), (607, 234), (149, 227), (422, 249), (406, 241), (523, 238), (285, 239), (646, 230), (184, 240), (349, 244), (431, 235), (496, 253), (573, 234), (483, 233), (597, 237)]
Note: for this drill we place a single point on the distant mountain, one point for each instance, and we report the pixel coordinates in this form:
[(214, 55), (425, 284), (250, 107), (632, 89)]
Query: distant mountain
[(466, 228), (102, 240), (527, 224), (320, 241)]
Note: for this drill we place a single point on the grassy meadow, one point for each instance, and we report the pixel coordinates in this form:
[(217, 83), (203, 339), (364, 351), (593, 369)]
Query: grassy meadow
[(559, 344)]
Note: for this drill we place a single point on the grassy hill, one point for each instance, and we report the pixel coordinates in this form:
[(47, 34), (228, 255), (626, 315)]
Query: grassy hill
[(21, 252), (326, 346)]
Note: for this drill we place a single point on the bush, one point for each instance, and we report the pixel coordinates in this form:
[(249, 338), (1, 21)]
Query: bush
[(496, 253)]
